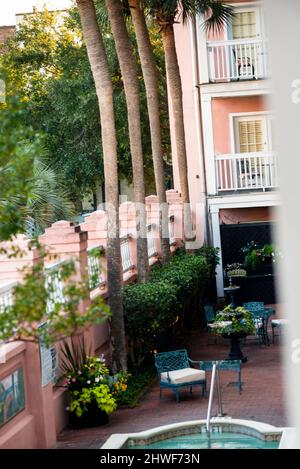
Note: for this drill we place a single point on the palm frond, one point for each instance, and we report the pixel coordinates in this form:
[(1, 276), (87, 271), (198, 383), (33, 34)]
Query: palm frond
[(73, 356), (49, 199), (217, 12)]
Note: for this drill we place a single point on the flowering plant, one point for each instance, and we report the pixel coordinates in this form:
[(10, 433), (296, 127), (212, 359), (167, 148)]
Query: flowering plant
[(234, 321), (88, 380), (235, 270), (255, 255)]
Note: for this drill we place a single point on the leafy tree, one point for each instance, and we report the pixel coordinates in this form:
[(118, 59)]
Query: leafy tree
[(51, 74), (31, 193), (48, 199), (18, 146)]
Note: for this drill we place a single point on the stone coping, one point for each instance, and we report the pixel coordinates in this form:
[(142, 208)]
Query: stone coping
[(289, 439), (259, 430), (10, 350)]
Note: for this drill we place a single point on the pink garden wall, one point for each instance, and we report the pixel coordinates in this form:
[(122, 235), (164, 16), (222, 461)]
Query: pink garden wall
[(44, 414)]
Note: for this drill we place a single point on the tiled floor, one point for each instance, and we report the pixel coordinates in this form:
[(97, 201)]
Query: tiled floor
[(262, 398)]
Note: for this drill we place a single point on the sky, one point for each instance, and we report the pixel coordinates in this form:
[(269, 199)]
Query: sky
[(8, 8)]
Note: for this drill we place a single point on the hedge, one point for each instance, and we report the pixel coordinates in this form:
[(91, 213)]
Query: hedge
[(153, 308)]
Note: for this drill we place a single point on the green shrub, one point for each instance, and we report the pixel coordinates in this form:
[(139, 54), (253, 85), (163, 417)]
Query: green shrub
[(149, 307), (185, 272), (152, 309), (136, 387), (212, 256)]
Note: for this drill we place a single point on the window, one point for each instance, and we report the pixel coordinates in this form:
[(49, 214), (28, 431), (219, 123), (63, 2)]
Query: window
[(245, 32), (250, 136), (254, 163), (244, 25), (253, 133)]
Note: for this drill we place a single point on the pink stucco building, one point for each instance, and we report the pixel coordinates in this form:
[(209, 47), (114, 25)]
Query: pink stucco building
[(229, 128)]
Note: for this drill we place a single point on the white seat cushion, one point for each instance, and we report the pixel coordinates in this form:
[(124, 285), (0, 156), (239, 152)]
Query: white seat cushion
[(280, 322), (186, 375)]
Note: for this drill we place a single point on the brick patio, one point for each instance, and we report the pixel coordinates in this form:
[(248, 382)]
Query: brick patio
[(262, 398)]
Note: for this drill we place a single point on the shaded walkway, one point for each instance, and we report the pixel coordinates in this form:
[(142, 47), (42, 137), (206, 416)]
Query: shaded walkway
[(262, 398)]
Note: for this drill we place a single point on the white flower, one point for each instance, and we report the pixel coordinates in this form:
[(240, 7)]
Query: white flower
[(88, 382), (97, 380), (67, 409)]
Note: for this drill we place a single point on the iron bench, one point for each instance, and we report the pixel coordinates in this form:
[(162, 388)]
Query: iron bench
[(167, 363)]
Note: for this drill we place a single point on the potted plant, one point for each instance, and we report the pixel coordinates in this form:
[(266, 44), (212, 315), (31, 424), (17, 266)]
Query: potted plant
[(93, 392), (235, 270), (234, 324), (259, 259), (232, 271)]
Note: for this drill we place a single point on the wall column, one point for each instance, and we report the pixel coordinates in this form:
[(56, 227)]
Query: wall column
[(216, 239), (202, 50), (208, 139)]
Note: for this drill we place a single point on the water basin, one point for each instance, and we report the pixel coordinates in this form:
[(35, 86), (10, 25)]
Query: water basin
[(226, 433), (218, 441)]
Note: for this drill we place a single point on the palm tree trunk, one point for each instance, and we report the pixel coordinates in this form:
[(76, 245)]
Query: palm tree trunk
[(102, 78), (150, 74), (175, 94), (132, 93)]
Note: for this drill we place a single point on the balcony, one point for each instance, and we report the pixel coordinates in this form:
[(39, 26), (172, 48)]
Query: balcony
[(237, 60), (246, 171)]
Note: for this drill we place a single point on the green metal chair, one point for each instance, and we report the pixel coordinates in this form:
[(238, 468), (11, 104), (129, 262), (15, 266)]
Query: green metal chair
[(261, 316), (209, 313), (169, 362)]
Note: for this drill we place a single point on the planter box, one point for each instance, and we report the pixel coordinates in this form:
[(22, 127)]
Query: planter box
[(94, 417)]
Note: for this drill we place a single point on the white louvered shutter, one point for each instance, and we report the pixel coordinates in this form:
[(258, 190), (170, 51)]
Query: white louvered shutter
[(251, 138), (244, 25)]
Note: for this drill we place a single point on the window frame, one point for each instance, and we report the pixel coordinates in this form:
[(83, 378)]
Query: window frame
[(243, 7), (265, 116)]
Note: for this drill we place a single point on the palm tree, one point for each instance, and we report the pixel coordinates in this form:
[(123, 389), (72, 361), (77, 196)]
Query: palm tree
[(150, 74), (99, 66), (48, 200), (166, 12), (132, 94)]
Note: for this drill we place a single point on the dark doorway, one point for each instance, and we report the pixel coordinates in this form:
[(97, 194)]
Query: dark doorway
[(254, 287)]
